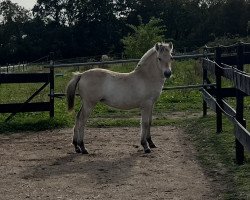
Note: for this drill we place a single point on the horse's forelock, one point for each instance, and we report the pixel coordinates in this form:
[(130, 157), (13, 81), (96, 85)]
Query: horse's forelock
[(168, 46), (165, 47)]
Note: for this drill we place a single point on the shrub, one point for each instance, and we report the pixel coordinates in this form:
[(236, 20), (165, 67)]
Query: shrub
[(143, 38)]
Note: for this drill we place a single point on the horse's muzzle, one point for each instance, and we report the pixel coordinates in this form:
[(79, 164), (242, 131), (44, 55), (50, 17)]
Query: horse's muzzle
[(167, 73)]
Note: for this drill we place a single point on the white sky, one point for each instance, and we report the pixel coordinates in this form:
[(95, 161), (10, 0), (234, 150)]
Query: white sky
[(28, 4)]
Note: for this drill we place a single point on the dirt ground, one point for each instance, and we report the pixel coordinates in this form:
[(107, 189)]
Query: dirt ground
[(43, 166)]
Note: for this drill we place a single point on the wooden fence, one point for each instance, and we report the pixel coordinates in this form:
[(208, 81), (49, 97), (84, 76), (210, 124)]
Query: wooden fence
[(46, 77), (230, 66), (13, 75)]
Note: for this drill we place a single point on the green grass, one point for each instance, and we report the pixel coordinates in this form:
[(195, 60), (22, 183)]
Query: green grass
[(215, 151)]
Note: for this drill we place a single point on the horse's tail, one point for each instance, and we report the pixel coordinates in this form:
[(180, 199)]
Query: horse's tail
[(70, 91)]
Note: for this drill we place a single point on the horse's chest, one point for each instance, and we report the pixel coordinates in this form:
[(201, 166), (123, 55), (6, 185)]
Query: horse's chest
[(154, 95), (155, 88)]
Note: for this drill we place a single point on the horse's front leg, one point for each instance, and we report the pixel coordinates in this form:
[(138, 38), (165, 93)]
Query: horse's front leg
[(146, 111), (149, 139)]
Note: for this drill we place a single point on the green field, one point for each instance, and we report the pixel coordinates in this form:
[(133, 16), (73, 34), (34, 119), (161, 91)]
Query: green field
[(182, 108)]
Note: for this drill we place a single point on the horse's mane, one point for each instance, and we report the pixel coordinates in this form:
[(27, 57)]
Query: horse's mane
[(145, 57)]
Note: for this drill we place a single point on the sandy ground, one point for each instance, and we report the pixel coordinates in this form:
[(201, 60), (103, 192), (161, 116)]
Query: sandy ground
[(43, 165)]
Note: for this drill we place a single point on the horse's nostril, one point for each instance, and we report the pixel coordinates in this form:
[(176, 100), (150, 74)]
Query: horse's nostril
[(167, 74)]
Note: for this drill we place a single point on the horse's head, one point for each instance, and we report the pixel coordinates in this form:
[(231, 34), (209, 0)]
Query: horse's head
[(164, 57)]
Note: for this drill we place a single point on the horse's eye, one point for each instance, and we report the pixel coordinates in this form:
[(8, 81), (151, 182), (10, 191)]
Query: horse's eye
[(159, 59)]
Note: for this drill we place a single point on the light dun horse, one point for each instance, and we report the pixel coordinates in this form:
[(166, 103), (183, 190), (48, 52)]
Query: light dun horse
[(137, 89)]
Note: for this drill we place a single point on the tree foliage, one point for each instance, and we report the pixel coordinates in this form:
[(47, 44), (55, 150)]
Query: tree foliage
[(143, 38), (72, 28), (11, 12)]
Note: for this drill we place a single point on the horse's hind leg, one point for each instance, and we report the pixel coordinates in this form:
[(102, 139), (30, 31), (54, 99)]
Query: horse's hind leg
[(76, 132), (149, 140), (81, 120)]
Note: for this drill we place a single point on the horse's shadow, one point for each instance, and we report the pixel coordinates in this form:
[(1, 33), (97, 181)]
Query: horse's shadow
[(99, 170)]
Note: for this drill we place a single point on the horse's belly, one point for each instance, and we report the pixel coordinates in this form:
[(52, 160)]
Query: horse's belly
[(121, 103), (129, 100), (128, 93)]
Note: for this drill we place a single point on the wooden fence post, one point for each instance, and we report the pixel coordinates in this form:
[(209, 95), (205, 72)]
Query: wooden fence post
[(52, 86), (239, 148), (218, 52), (204, 82)]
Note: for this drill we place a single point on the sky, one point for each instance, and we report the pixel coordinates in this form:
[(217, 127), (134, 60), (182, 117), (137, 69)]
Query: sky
[(28, 4)]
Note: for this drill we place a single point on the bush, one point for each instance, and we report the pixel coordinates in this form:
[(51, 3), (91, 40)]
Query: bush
[(143, 38)]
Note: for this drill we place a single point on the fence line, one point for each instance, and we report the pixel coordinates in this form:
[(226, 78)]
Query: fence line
[(48, 79), (176, 57), (214, 97)]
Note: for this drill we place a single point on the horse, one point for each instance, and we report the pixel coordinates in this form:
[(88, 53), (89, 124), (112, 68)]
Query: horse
[(139, 88)]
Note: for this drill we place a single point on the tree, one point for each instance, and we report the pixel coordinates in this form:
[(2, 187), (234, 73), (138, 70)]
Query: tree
[(74, 28), (143, 38), (12, 32), (235, 17), (50, 11), (97, 27), (11, 12)]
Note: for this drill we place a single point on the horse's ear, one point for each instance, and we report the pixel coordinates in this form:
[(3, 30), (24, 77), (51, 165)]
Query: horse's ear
[(171, 45), (157, 47)]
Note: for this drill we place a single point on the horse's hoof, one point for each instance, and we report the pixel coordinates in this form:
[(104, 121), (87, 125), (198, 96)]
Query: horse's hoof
[(152, 146), (78, 150), (84, 151), (147, 150)]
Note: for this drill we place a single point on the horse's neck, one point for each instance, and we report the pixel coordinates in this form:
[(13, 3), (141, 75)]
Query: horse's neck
[(147, 63), (144, 60), (146, 56)]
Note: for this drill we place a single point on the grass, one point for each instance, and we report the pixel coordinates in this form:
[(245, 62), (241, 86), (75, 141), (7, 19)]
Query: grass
[(215, 151), (216, 154)]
